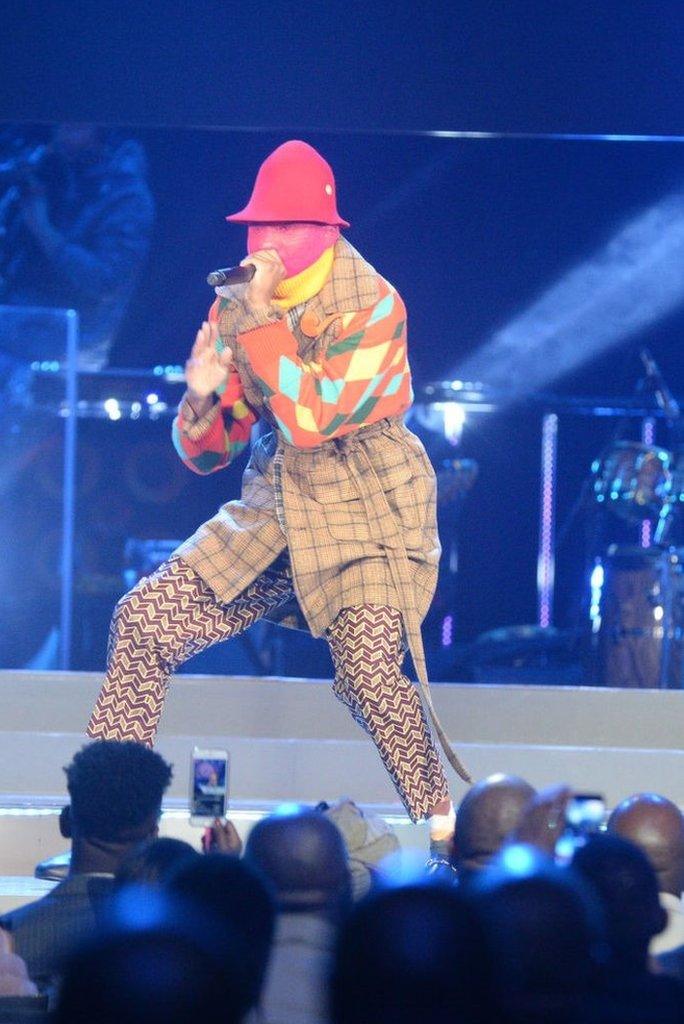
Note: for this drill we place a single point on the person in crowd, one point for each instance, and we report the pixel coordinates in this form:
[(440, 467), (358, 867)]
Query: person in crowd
[(302, 854), (543, 937), (231, 892), (671, 963), (336, 526), (154, 862), (115, 791), (411, 954), (369, 841), (76, 216), (489, 812), (156, 960), (656, 826), (625, 884), (20, 1002), (14, 979)]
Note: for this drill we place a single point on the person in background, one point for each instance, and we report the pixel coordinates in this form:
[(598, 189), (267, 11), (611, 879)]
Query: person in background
[(656, 826), (154, 862), (543, 936), (411, 954), (116, 792), (487, 815), (156, 960), (75, 221), (369, 841), (230, 893), (627, 890), (303, 857)]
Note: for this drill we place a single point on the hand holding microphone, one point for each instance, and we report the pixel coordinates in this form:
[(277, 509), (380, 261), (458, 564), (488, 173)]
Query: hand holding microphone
[(262, 271)]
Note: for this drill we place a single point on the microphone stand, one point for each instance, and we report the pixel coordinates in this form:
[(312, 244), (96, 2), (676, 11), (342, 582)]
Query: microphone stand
[(670, 407)]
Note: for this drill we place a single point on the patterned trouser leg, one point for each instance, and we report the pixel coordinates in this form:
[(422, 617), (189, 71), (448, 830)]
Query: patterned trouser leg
[(164, 620), (366, 646)]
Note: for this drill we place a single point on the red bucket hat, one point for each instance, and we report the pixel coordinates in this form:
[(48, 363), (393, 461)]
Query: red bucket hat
[(294, 183)]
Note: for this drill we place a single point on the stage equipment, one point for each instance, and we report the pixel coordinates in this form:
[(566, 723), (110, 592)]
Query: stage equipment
[(61, 328), (477, 398), (635, 481), (637, 618), (111, 394), (455, 478)]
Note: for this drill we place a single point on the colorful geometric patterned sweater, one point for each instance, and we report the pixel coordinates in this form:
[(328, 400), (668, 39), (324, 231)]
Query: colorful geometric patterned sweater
[(361, 378)]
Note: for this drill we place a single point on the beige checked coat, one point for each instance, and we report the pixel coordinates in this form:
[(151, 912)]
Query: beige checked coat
[(357, 515)]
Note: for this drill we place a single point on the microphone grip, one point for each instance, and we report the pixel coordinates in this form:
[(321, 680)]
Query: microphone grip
[(231, 275)]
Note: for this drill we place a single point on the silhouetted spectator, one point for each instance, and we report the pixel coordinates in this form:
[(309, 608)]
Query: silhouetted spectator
[(154, 862), (625, 883), (656, 826), (116, 794), (543, 937), (76, 231), (303, 856), (369, 841), (226, 888), (411, 954), (19, 999), (671, 963), (487, 815), (156, 961)]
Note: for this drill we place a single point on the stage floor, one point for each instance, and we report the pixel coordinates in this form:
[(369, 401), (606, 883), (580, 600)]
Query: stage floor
[(290, 740)]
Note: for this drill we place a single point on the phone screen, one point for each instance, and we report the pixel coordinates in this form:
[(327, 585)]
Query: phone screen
[(586, 812), (208, 784)]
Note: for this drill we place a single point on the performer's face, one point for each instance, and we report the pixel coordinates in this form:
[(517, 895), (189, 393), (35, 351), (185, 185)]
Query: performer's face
[(298, 243)]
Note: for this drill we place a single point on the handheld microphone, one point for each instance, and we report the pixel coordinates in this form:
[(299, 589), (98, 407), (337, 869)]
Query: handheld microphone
[(231, 275), (664, 397)]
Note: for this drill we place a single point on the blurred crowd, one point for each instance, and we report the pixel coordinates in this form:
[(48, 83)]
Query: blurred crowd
[(321, 918)]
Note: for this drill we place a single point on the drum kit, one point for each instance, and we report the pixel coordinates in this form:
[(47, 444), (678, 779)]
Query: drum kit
[(636, 608), (633, 635)]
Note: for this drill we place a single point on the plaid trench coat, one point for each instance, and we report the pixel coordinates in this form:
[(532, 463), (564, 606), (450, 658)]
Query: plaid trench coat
[(356, 515)]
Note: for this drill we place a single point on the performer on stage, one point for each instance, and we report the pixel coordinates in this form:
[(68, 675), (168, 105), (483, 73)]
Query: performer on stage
[(335, 529)]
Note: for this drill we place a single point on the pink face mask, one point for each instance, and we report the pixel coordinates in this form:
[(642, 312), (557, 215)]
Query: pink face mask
[(299, 244)]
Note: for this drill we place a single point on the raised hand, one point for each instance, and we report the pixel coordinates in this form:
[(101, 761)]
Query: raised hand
[(206, 369)]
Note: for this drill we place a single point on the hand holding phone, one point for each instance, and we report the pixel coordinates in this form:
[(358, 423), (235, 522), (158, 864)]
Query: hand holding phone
[(209, 776)]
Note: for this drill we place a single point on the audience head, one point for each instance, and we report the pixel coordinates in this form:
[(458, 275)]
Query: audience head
[(489, 811), (229, 890), (369, 841), (154, 862), (157, 962), (543, 936), (626, 885), (656, 826), (410, 954), (116, 791), (302, 855)]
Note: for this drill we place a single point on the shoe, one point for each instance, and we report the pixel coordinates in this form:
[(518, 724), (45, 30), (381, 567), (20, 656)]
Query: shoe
[(54, 869), (440, 869), (441, 848)]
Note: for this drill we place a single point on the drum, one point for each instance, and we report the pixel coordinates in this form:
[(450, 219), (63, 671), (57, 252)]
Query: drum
[(634, 480), (637, 618)]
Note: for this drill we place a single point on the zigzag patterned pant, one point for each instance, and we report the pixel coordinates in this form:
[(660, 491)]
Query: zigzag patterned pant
[(172, 614)]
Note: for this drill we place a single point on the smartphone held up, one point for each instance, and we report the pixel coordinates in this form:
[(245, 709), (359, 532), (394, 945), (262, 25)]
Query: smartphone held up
[(209, 778)]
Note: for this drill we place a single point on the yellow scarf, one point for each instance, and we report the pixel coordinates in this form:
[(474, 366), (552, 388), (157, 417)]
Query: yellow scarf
[(306, 283)]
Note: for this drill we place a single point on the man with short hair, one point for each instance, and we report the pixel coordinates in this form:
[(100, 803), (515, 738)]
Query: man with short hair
[(304, 858), (487, 815), (625, 885), (116, 791), (656, 826)]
